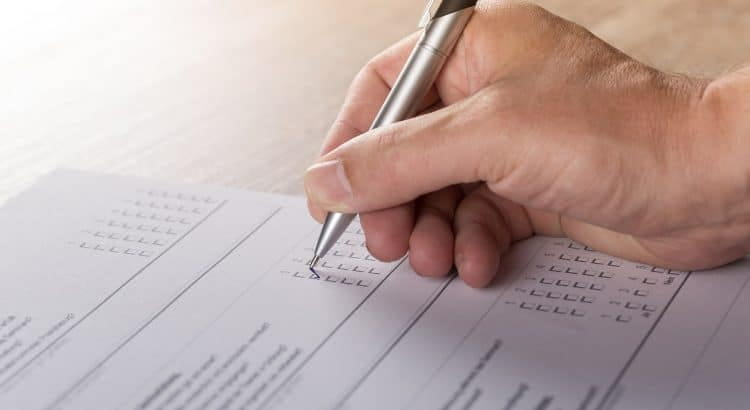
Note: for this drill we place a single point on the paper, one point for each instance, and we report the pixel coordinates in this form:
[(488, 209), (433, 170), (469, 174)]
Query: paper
[(122, 293)]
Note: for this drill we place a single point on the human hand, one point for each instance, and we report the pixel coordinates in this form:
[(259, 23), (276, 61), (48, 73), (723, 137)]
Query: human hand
[(536, 126)]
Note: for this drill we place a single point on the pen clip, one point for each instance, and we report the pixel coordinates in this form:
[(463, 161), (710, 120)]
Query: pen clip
[(429, 12)]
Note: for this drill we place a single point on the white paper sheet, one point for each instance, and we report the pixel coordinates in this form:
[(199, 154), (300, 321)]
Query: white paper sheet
[(123, 293)]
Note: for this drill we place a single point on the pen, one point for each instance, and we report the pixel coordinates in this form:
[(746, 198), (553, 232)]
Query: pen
[(442, 24)]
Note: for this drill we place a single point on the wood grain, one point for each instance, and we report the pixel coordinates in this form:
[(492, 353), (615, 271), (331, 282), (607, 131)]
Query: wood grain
[(240, 93)]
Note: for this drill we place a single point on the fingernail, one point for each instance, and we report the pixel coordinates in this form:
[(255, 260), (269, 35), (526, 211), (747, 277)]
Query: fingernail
[(459, 261), (327, 184)]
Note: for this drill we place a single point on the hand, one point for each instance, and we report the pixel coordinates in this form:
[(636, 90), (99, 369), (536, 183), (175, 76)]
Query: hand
[(537, 126)]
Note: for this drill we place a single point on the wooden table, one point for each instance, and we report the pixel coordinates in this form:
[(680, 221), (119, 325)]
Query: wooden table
[(240, 93)]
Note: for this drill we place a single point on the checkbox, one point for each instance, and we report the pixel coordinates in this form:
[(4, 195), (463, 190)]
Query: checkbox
[(554, 295), (606, 275), (562, 310), (578, 312), (526, 305), (649, 308), (537, 293), (554, 268), (632, 305), (640, 292), (588, 299), (572, 298), (581, 285), (650, 281), (547, 281), (563, 282), (588, 273), (544, 308), (596, 286), (624, 318)]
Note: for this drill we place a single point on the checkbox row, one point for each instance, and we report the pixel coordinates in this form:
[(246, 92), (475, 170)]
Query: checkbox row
[(334, 279), (576, 284), (348, 267), (578, 271), (563, 310), (558, 295), (116, 249)]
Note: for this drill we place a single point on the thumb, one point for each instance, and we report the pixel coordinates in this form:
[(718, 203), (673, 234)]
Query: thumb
[(398, 163)]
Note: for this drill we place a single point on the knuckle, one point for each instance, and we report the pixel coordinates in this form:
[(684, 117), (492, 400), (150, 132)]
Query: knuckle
[(522, 10), (387, 139), (378, 154), (497, 109), (368, 71)]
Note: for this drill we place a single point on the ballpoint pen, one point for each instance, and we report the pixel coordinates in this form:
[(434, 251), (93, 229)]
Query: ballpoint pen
[(442, 24)]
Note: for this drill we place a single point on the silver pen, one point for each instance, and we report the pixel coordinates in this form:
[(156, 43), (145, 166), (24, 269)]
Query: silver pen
[(442, 24)]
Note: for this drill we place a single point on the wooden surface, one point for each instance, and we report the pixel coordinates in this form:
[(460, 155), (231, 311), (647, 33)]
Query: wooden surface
[(240, 93)]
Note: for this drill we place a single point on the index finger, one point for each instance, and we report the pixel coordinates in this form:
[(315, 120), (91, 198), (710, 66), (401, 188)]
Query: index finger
[(386, 231), (368, 91), (366, 95)]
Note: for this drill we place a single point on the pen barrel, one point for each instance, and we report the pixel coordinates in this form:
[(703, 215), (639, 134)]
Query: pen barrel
[(422, 67), (417, 77), (334, 226)]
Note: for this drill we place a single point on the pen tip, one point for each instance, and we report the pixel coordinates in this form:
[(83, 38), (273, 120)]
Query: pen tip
[(314, 261)]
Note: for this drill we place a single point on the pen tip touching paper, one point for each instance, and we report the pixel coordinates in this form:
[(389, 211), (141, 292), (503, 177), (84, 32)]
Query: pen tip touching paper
[(314, 262)]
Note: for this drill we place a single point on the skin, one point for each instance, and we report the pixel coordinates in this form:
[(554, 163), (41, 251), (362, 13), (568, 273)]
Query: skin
[(536, 126)]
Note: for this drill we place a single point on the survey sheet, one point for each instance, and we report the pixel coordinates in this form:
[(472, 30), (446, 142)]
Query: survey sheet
[(124, 293)]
